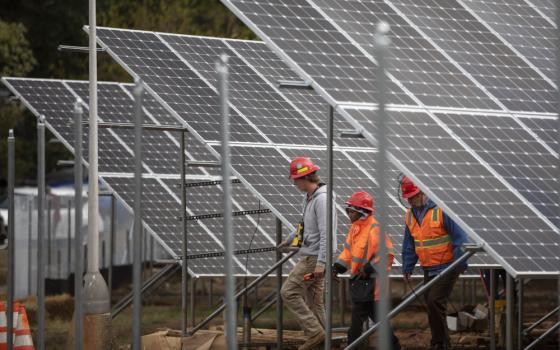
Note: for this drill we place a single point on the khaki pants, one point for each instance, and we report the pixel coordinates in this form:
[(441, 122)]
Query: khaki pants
[(305, 298)]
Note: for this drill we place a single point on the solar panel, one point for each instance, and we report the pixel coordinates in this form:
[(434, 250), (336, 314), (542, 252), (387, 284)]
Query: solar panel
[(262, 166), (483, 55), (513, 233), (510, 150), (490, 64), (298, 30), (55, 99), (523, 27), (413, 60)]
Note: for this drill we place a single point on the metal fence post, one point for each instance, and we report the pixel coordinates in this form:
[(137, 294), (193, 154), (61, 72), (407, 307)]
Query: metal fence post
[(112, 246), (492, 307), (509, 312), (184, 246), (78, 237), (11, 240), (231, 309), (382, 43), (30, 247), (520, 313), (40, 233), (137, 243), (279, 302), (330, 230)]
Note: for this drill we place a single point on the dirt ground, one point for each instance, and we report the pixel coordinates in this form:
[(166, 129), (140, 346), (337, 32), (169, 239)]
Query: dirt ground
[(161, 310)]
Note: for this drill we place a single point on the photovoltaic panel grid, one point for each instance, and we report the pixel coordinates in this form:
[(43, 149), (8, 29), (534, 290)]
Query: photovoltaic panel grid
[(276, 114), (442, 51), (54, 100)]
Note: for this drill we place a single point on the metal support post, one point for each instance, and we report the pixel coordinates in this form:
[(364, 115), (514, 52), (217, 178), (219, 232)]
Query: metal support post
[(69, 239), (11, 239), (509, 312), (193, 301), (382, 43), (78, 237), (330, 229), (137, 242), (417, 293), (492, 311), (520, 293), (462, 295), (112, 245), (279, 301), (49, 234), (97, 311), (30, 247), (342, 302), (210, 292), (184, 264), (231, 311), (41, 233)]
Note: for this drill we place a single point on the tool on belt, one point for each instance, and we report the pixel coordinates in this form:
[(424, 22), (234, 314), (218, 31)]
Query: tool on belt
[(298, 239)]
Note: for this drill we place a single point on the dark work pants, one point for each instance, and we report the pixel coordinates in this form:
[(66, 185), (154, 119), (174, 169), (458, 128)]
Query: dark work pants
[(361, 311), (436, 301)]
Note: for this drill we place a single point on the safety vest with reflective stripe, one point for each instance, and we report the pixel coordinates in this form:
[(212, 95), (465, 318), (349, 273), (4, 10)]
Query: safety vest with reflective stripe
[(431, 240), (361, 247)]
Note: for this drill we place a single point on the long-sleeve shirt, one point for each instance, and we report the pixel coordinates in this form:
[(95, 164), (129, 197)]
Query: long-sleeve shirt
[(315, 225), (455, 232)]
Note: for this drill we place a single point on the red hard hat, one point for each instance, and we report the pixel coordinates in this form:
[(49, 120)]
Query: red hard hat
[(361, 200), (301, 166), (408, 188)]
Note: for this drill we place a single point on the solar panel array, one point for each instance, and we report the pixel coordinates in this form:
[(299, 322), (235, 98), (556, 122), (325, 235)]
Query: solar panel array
[(472, 103), (54, 100), (292, 122)]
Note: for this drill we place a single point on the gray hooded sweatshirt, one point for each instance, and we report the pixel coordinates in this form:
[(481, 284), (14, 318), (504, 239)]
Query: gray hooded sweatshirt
[(314, 212)]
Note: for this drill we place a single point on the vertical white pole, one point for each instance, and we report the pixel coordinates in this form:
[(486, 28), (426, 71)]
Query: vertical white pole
[(382, 44), (93, 188), (11, 240), (330, 229), (137, 241), (78, 237), (41, 233), (231, 309)]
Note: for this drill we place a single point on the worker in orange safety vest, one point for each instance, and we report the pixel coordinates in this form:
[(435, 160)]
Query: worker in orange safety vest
[(435, 240), (359, 257)]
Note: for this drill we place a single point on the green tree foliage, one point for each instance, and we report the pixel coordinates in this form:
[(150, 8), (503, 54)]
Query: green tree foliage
[(16, 59)]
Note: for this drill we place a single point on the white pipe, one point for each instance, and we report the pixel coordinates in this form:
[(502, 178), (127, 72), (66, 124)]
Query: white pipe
[(93, 185)]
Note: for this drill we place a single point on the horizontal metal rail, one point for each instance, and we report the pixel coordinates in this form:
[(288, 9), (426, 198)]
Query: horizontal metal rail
[(151, 282), (236, 252), (263, 309), (242, 292), (235, 213), (543, 336), (108, 125), (544, 318), (209, 183)]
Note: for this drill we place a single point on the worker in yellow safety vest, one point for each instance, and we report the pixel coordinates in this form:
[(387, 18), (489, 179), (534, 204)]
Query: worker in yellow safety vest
[(359, 257), (435, 240)]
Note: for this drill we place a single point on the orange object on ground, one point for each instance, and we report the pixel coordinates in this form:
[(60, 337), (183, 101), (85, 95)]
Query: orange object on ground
[(22, 333)]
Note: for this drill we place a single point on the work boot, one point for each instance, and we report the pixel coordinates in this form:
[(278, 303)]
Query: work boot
[(313, 341)]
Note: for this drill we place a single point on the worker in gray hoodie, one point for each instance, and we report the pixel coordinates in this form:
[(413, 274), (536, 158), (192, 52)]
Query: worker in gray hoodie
[(303, 290)]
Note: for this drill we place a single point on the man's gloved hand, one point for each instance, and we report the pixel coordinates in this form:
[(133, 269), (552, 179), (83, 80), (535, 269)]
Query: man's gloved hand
[(283, 246)]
